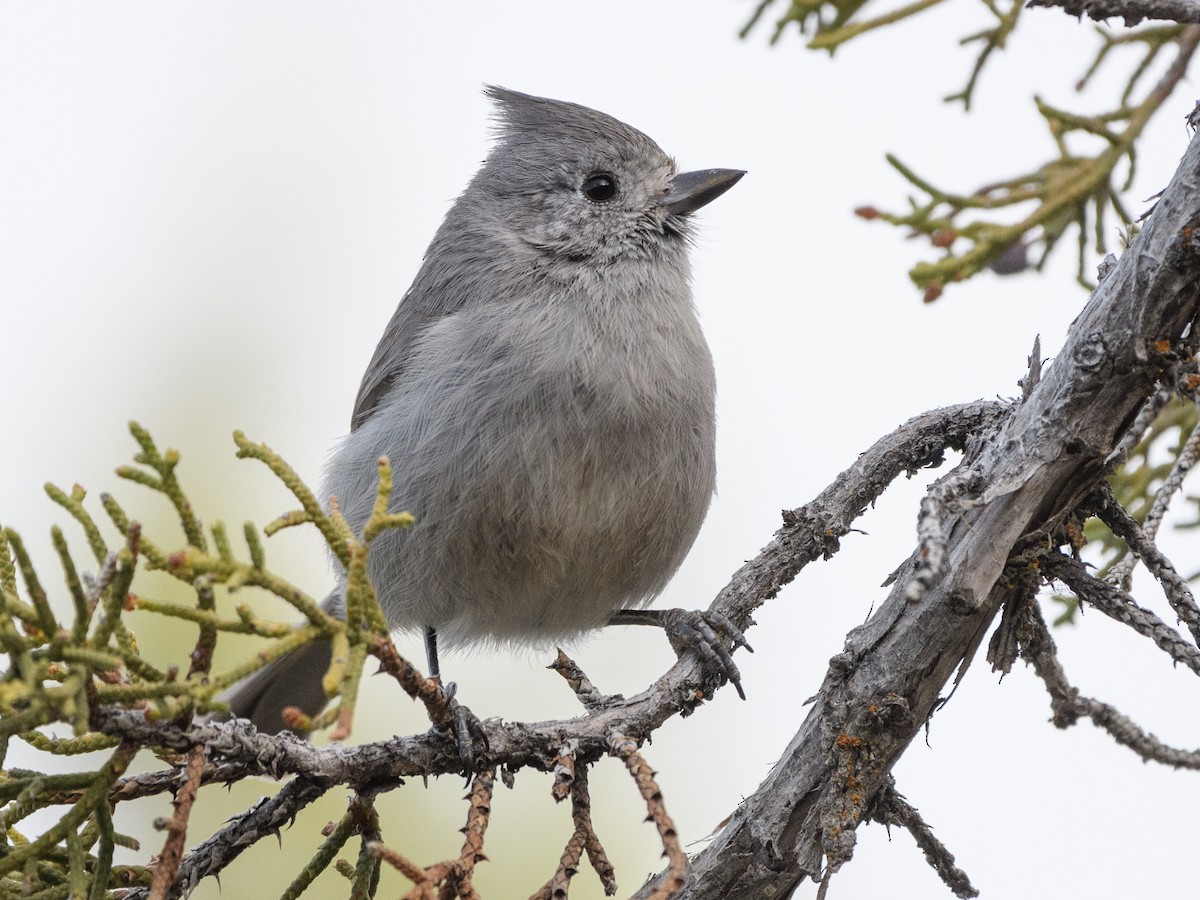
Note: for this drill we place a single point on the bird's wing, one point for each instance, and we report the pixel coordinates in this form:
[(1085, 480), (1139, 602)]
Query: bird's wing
[(387, 365)]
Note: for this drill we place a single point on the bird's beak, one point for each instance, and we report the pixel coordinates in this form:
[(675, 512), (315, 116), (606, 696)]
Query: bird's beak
[(692, 190)]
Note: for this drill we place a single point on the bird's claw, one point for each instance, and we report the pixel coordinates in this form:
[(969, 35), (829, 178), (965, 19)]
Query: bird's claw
[(465, 729), (706, 634)]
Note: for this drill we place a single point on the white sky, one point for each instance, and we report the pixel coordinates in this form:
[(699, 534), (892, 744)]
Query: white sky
[(210, 210)]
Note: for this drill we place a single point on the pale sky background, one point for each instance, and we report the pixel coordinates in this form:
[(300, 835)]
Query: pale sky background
[(210, 210)]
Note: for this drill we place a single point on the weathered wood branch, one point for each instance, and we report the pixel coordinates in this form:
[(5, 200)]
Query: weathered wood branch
[(1069, 705), (235, 750), (1131, 11), (1026, 465), (1044, 458)]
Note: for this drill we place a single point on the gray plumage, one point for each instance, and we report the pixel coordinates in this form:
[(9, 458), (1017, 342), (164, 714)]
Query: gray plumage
[(543, 390)]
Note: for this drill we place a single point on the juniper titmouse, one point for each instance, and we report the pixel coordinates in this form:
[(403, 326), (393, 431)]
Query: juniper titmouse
[(545, 396)]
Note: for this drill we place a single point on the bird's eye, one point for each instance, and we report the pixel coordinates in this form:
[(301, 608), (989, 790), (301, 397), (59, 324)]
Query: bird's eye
[(600, 187)]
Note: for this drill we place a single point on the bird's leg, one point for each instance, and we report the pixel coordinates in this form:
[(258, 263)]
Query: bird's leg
[(431, 652), (467, 730), (688, 629)]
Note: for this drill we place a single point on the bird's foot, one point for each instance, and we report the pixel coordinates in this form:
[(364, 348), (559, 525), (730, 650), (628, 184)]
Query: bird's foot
[(710, 635), (465, 730)]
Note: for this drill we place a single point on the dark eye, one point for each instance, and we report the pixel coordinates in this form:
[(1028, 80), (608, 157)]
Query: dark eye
[(599, 187)]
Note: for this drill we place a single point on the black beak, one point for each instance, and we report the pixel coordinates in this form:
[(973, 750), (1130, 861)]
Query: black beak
[(692, 190)]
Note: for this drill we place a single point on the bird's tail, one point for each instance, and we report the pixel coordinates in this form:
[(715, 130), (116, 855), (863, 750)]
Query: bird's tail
[(292, 680)]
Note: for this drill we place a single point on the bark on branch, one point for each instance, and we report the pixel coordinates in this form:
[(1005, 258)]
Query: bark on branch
[(1132, 11), (1027, 465), (235, 750), (1051, 452)]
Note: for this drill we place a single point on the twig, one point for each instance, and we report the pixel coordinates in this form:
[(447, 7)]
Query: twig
[(397, 861), (266, 817), (581, 812), (670, 881), (364, 877), (438, 704), (335, 836), (589, 696), (1068, 705), (559, 885), (891, 808), (583, 838), (563, 771), (16, 858), (477, 823), (1175, 587), (1117, 604), (450, 878), (1122, 573), (172, 851), (813, 530)]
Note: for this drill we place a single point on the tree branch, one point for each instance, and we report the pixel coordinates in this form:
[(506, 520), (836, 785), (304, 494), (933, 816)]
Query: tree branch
[(236, 750), (1142, 546), (1118, 605), (1069, 705), (891, 808), (1043, 460), (1132, 11), (266, 817)]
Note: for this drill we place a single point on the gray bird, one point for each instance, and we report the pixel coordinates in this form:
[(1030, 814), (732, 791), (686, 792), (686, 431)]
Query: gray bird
[(547, 399)]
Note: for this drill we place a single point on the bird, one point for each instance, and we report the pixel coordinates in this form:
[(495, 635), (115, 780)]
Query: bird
[(546, 397)]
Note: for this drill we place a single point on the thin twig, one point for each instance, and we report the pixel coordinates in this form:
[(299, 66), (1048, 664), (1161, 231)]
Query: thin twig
[(563, 771), (583, 838), (891, 808), (1122, 573), (1175, 587), (1117, 604), (581, 812), (589, 696), (1068, 705), (477, 822), (266, 817), (439, 705), (172, 851), (670, 881)]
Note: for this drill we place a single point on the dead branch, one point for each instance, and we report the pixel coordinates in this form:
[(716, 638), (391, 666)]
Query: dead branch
[(1142, 545), (891, 808), (237, 750), (1118, 605), (1068, 705), (672, 880), (1131, 11), (1049, 454), (267, 817), (172, 852)]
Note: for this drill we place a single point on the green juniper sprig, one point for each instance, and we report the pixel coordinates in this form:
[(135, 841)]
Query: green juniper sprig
[(1014, 222), (61, 669)]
